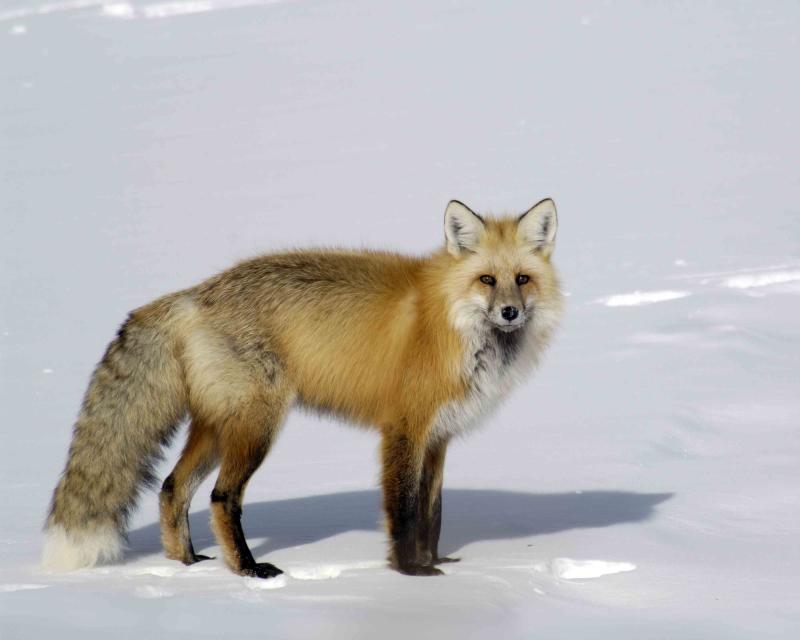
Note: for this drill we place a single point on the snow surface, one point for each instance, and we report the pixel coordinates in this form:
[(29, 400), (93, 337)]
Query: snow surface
[(146, 145), (569, 569), (638, 298)]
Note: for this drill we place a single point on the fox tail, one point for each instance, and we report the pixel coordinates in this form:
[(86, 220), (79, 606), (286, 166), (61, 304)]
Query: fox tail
[(134, 403)]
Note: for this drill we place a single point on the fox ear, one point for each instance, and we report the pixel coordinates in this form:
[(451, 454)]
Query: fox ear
[(462, 228), (537, 226)]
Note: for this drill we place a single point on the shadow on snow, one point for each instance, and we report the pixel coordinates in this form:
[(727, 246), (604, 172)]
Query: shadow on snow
[(469, 515)]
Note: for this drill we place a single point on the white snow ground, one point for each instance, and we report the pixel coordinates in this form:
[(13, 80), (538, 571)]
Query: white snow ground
[(145, 145)]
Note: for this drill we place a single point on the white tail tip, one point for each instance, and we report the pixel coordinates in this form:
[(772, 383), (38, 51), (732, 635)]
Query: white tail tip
[(67, 551)]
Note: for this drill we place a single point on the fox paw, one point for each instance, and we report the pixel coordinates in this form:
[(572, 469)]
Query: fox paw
[(419, 570), (262, 570), (196, 557), (445, 560)]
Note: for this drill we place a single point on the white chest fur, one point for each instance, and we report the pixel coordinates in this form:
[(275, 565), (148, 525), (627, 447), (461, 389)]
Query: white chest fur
[(493, 363)]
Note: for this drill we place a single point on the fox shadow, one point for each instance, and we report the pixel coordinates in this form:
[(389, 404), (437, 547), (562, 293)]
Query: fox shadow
[(468, 515)]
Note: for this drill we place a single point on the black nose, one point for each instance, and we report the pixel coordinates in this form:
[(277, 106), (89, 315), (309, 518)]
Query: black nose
[(509, 313)]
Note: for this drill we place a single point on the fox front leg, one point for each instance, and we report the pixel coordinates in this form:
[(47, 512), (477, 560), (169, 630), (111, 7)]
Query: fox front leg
[(430, 505), (402, 469)]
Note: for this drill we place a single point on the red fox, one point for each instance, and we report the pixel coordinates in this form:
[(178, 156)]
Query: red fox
[(420, 349)]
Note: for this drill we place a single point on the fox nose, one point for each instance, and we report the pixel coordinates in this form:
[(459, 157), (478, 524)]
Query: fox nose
[(509, 313)]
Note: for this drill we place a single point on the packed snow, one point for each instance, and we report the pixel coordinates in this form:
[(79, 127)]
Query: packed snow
[(642, 484)]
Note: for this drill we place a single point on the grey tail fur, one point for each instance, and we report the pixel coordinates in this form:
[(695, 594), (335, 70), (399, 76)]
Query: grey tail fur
[(134, 403)]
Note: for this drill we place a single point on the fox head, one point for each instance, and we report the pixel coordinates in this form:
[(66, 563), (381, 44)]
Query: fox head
[(501, 276)]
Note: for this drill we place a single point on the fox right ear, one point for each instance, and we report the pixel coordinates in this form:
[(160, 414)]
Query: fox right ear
[(462, 228)]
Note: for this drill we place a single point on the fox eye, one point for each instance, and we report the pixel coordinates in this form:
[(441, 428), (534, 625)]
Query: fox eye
[(522, 279), (488, 280)]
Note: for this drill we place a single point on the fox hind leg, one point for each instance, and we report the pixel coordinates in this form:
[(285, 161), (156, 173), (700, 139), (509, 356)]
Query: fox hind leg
[(248, 437), (198, 459)]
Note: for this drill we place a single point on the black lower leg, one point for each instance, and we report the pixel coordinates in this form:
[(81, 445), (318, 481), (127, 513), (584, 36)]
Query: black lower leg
[(430, 506), (435, 530), (435, 527), (403, 531), (239, 555), (401, 485), (176, 533), (425, 522)]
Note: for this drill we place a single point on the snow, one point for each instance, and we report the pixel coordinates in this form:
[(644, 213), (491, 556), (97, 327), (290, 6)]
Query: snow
[(569, 569), (119, 10), (149, 591), (8, 588), (257, 584), (45, 8), (140, 155), (638, 298), (170, 9), (762, 279)]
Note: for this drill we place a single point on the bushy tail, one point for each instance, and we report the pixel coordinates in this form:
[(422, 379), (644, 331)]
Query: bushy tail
[(134, 402)]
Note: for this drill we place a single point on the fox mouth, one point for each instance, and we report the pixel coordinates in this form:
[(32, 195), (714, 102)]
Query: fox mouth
[(507, 327)]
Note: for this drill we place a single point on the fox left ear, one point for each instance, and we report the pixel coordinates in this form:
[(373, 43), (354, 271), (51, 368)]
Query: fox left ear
[(537, 226)]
